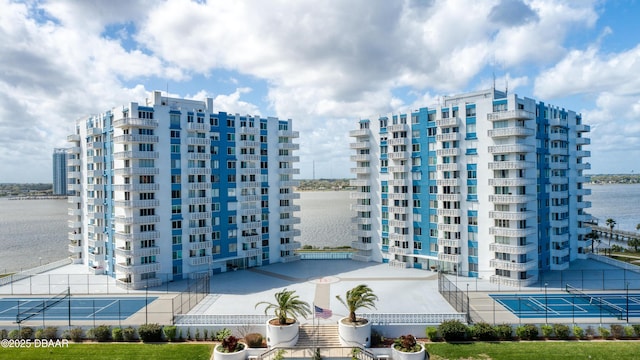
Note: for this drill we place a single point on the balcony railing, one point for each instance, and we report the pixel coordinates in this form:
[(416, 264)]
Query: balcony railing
[(512, 265), (511, 131), (512, 249), (520, 114), (135, 122)]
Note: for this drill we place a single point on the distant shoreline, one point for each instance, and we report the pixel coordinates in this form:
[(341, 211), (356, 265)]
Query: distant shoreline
[(46, 197)]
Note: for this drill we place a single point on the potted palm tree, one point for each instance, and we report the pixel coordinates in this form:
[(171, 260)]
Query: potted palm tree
[(407, 348), (230, 349), (282, 330), (355, 331)]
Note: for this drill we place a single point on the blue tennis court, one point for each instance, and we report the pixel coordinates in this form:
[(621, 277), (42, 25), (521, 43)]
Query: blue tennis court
[(80, 308), (567, 305)]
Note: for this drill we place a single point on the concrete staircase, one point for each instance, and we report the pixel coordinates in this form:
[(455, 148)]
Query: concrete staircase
[(322, 336)]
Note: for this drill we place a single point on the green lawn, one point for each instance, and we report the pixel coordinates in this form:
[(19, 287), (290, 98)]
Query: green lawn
[(95, 351), (618, 350)]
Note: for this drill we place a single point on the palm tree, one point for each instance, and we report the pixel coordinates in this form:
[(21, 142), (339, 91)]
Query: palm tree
[(593, 235), (287, 306), (360, 297), (611, 224), (635, 242)]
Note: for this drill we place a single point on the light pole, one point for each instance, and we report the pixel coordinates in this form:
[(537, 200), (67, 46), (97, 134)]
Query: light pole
[(546, 309), (468, 305), (146, 303), (627, 302)]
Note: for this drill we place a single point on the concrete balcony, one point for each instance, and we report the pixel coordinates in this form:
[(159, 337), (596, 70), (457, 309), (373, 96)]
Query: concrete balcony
[(198, 127), (360, 145), (359, 182), (355, 207), (291, 233), (74, 249), (397, 127), (136, 203), (512, 148), (512, 265), (583, 166), (399, 237), (399, 196), (360, 157), (518, 131), (558, 180), (450, 212), (449, 242), (253, 252), (199, 230), (511, 199), (199, 245), (400, 251), (399, 264), (362, 233), (191, 140), (449, 227), (290, 258), (249, 130), (361, 246), (398, 223), (123, 155), (359, 133), (511, 215), (583, 153), (134, 138), (294, 245), (448, 167), (448, 137), (448, 152), (288, 146), (449, 182), (583, 128), (149, 251), (290, 208), (361, 170), (398, 210), (73, 138), (511, 232), (135, 122), (512, 249), (248, 184), (136, 219), (399, 155), (199, 201), (447, 122), (290, 221), (74, 236), (519, 114), (289, 133), (137, 269), (200, 260), (451, 258), (361, 221), (398, 141), (516, 283), (136, 187), (398, 168), (511, 182), (148, 235), (449, 197), (511, 165), (74, 212), (290, 183), (399, 182), (584, 204), (74, 224)]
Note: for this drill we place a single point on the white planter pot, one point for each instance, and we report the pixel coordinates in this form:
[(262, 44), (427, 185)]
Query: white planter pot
[(354, 334), (238, 355), (282, 335), (401, 355)]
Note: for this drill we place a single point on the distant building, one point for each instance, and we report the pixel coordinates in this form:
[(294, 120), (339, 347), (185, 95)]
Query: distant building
[(486, 184), (171, 189), (59, 171)]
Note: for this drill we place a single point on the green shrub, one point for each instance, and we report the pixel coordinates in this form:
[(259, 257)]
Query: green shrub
[(4, 334), (628, 331), (432, 333), (527, 332), (376, 338), (484, 332), (26, 333), (547, 331), (561, 331), (453, 330), (197, 334), (129, 333), (617, 331), (14, 334), (590, 331), (604, 332), (39, 334), (170, 332), (206, 334), (189, 334), (76, 334), (230, 344), (150, 332), (504, 331), (636, 329), (578, 332), (220, 334), (50, 333), (102, 333), (254, 340), (116, 334), (407, 343)]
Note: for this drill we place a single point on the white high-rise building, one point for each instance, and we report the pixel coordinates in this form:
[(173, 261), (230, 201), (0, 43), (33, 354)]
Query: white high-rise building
[(485, 184), (171, 189)]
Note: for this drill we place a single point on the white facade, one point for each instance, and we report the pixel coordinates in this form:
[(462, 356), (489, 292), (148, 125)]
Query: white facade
[(484, 185), (171, 189)]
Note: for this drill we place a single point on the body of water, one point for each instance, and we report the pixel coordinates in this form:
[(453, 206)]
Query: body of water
[(35, 231)]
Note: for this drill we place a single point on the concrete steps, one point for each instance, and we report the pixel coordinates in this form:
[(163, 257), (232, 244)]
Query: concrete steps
[(321, 336)]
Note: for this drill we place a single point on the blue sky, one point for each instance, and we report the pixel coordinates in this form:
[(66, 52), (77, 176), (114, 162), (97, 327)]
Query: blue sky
[(324, 64)]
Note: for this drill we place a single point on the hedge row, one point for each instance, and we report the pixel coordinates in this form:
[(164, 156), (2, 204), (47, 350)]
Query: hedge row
[(455, 330)]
